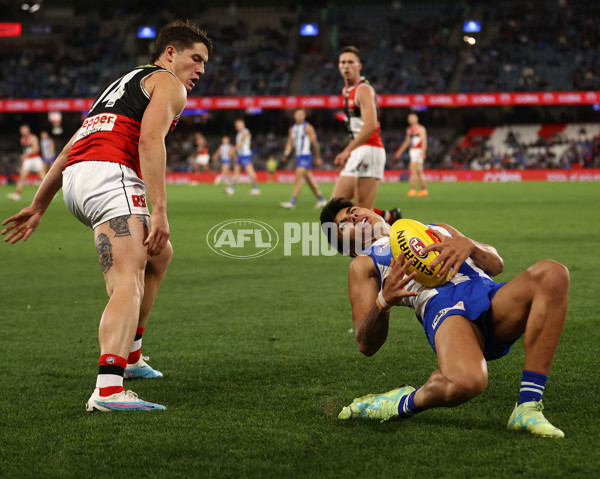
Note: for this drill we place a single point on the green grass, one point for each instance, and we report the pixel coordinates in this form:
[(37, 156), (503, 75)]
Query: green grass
[(258, 358)]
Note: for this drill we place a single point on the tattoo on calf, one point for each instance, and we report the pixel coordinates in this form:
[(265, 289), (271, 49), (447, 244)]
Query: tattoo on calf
[(120, 226), (104, 250)]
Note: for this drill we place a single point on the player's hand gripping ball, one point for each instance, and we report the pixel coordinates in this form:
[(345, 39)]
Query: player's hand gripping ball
[(410, 237)]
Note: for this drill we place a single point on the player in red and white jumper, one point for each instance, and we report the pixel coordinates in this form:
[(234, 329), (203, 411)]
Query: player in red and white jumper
[(416, 139), (201, 156), (363, 159), (101, 170), (31, 161)]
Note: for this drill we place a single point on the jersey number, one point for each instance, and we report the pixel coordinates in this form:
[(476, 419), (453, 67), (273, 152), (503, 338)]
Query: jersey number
[(115, 91)]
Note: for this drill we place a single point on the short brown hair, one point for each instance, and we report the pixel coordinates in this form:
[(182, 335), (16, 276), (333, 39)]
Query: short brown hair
[(351, 49), (181, 35)]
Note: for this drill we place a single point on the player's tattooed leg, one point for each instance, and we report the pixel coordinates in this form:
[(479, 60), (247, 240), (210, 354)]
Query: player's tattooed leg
[(144, 220), (120, 226), (104, 250)]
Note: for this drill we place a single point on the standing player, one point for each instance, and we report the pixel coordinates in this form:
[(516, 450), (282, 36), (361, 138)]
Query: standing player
[(48, 149), (244, 158), (416, 138), (469, 320), (31, 161), (120, 142), (201, 157), (225, 154), (302, 139), (363, 159)]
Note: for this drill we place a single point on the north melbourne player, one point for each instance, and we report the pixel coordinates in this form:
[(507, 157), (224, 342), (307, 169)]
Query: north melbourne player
[(106, 170), (469, 320), (302, 140)]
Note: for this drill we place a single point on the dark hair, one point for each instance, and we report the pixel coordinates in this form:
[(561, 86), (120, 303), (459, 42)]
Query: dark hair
[(180, 35), (351, 49), (327, 218)]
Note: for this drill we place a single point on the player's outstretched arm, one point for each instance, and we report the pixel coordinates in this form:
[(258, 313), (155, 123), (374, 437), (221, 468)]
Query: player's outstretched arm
[(369, 315), (22, 225), (456, 249), (167, 99)]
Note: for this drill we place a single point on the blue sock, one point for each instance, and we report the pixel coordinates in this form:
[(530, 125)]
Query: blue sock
[(320, 198), (407, 407), (532, 386), (293, 200)]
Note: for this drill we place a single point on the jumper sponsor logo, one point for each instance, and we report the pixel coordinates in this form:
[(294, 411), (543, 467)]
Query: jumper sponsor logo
[(139, 200), (96, 123), (102, 121), (242, 238)]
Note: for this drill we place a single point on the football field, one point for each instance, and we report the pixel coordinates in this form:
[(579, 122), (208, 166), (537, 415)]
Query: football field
[(259, 357)]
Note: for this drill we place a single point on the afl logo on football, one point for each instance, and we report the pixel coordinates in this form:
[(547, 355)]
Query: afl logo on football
[(417, 246)]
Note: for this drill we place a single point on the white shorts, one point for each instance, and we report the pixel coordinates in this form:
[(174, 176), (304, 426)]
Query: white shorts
[(34, 164), (366, 161), (97, 191), (415, 155), (202, 160)]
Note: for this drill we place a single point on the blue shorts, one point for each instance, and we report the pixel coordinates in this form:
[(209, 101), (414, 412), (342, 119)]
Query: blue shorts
[(244, 160), (304, 161), (472, 300), (225, 161)]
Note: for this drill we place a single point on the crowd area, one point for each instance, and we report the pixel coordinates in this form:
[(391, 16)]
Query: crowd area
[(534, 45)]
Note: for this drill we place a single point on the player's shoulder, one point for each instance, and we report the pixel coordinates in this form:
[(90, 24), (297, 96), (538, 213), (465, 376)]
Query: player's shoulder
[(362, 267)]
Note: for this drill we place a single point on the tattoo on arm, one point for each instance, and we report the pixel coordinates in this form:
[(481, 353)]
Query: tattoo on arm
[(374, 328), (120, 226), (104, 250)]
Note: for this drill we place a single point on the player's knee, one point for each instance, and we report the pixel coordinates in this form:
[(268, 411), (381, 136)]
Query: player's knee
[(552, 276), (468, 387)]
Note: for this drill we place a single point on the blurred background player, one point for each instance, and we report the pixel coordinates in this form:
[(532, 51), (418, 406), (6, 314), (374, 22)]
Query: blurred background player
[(271, 165), (363, 159), (201, 157), (416, 139), (302, 139), (48, 149), (31, 161), (244, 158), (225, 154)]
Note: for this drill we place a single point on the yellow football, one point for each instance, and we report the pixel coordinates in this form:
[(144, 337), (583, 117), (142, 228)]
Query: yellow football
[(410, 237)]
